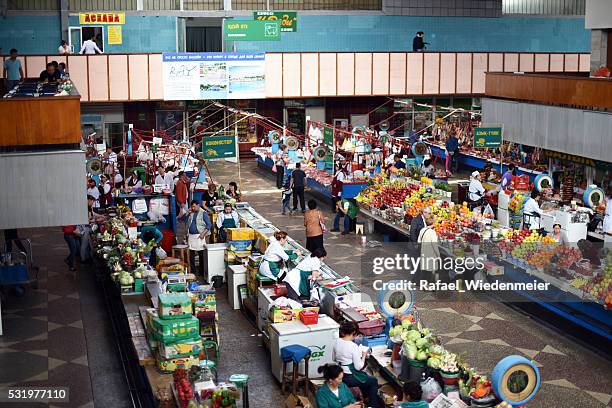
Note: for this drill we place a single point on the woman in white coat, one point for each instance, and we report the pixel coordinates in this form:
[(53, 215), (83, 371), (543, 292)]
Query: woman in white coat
[(275, 255), (430, 252), (299, 280)]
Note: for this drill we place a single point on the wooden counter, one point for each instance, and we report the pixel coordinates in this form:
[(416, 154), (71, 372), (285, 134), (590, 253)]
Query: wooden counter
[(52, 120), (551, 89)]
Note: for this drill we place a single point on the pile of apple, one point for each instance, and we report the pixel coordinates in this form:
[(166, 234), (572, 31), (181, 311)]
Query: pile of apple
[(183, 387)]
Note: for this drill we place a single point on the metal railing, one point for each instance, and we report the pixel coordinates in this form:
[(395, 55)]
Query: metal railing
[(194, 5), (102, 5), (42, 5), (544, 7)]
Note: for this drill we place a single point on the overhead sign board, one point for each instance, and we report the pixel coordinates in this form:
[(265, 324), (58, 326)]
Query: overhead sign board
[(251, 30), (287, 19), (487, 137), (103, 17), (219, 147)]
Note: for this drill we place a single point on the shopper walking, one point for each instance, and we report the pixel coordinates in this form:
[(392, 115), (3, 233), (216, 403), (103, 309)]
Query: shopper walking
[(286, 198), (181, 193), (90, 47), (71, 237), (280, 161), (418, 223), (418, 45), (430, 252), (198, 228), (452, 148), (315, 227), (13, 71), (298, 183), (336, 186)]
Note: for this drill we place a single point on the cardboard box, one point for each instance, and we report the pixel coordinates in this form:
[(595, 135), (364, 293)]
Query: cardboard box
[(242, 246), (174, 330), (169, 365), (286, 315), (240, 234), (174, 305), (297, 401), (181, 348)]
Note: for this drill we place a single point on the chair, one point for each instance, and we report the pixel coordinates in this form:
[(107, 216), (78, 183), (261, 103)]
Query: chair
[(294, 354), (182, 252)]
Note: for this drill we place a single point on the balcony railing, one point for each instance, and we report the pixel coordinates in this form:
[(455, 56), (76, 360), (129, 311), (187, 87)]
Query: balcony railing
[(195, 5), (137, 77), (593, 93)]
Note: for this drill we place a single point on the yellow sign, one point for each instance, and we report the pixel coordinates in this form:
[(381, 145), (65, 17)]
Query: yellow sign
[(114, 35), (102, 18)]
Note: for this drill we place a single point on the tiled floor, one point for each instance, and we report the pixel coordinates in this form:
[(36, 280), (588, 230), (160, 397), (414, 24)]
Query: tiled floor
[(485, 332), (57, 335)]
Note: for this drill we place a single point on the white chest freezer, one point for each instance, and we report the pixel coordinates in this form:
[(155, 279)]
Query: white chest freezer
[(319, 338), (236, 276), (214, 260), (264, 300)]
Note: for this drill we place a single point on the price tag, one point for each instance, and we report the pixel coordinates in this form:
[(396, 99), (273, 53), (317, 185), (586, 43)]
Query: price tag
[(132, 233), (139, 206)]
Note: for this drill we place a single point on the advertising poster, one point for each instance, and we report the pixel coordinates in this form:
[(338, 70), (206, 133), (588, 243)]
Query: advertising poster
[(214, 75)]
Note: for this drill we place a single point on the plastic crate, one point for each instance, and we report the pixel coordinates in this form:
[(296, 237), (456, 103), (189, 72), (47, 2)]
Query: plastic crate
[(371, 341), (309, 317), (13, 274)]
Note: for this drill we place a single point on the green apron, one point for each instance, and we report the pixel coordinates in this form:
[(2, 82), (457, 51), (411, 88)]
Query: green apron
[(359, 376), (304, 283), (227, 223), (275, 266)]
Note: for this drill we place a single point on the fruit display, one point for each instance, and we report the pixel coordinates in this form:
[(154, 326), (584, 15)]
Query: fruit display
[(516, 203), (183, 387)]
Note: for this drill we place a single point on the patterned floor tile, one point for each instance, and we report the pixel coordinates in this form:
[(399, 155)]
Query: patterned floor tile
[(22, 366), (66, 350)]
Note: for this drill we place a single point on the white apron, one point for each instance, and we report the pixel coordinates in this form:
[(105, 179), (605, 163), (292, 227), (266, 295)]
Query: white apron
[(195, 243)]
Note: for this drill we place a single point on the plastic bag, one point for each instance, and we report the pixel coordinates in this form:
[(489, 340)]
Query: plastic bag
[(161, 254), (488, 210), (431, 389)]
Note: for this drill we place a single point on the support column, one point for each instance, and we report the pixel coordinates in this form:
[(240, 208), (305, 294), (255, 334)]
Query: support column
[(64, 10), (600, 49)]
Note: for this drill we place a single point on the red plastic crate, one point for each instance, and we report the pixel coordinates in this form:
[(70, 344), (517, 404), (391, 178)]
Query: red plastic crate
[(309, 317)]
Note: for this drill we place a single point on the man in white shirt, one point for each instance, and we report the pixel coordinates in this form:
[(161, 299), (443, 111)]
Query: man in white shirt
[(90, 47), (92, 190), (476, 190), (532, 211), (164, 178)]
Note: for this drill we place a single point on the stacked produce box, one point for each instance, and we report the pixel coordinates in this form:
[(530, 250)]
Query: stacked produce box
[(239, 244), (174, 332)]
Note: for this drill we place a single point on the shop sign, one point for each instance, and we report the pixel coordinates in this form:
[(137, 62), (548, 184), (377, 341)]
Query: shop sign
[(487, 137), (101, 18), (247, 30), (328, 136), (576, 159), (287, 19), (115, 36), (219, 147)]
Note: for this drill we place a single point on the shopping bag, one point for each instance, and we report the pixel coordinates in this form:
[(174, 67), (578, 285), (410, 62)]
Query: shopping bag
[(274, 168), (161, 254), (431, 389)]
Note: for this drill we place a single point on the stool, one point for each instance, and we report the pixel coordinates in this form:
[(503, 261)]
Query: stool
[(359, 227), (294, 354), (181, 252)]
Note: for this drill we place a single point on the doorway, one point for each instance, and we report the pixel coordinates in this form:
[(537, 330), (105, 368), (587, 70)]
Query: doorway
[(203, 39), (78, 35)]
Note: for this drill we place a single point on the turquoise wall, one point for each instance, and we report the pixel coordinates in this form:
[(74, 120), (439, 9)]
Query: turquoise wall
[(142, 34), (395, 33), (30, 34)]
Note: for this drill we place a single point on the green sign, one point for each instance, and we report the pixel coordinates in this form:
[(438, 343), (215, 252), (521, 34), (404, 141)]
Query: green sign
[(487, 137), (287, 19), (247, 30), (328, 136), (218, 147)]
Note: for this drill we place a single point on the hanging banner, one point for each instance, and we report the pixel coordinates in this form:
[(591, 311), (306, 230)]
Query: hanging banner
[(115, 35), (107, 17), (213, 75), (219, 147), (251, 30), (487, 137), (287, 19)]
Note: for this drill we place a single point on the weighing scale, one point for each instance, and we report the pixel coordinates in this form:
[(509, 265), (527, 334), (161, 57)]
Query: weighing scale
[(94, 167), (394, 303), (543, 181), (593, 196), (292, 144), (419, 149), (320, 153), (515, 380), (275, 139)]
